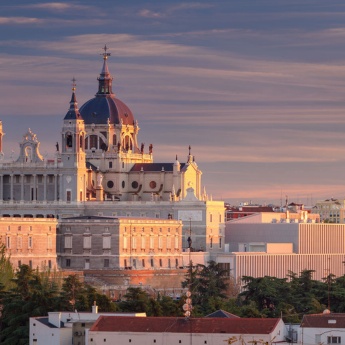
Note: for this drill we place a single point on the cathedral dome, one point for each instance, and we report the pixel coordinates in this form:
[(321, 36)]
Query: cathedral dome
[(105, 108)]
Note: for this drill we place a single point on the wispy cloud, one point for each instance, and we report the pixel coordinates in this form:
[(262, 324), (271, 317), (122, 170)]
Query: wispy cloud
[(56, 6), (170, 10), (150, 14), (20, 20)]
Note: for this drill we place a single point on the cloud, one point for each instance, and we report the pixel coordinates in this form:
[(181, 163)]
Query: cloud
[(124, 45), (56, 6), (150, 14), (19, 20), (169, 11)]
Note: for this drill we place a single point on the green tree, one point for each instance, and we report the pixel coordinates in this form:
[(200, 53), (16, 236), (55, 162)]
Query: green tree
[(6, 269), (73, 295), (208, 285), (266, 292)]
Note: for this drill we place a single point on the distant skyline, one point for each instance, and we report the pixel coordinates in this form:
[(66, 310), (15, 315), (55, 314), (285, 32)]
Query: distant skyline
[(257, 88)]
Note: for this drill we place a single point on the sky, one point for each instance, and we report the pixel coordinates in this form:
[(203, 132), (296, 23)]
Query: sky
[(257, 88)]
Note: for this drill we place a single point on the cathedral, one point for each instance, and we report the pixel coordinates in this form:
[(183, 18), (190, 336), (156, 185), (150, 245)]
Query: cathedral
[(100, 168)]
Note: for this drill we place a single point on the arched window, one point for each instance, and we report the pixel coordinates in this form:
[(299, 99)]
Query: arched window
[(93, 141), (69, 140)]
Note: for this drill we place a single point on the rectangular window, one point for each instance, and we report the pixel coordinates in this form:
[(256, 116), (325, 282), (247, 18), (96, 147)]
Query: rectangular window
[(176, 242), (49, 242), (106, 242), (110, 165), (160, 242), (220, 242), (143, 242), (8, 242), (125, 263), (68, 242), (134, 242), (333, 340), (160, 263), (19, 242), (152, 242), (49, 263), (19, 263), (124, 242), (134, 263), (87, 242), (30, 263), (169, 263), (220, 218), (68, 262), (176, 263), (30, 242), (106, 263), (152, 263), (143, 262), (210, 218), (169, 242)]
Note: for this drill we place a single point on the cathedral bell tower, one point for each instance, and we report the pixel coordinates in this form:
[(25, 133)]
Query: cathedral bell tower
[(73, 158)]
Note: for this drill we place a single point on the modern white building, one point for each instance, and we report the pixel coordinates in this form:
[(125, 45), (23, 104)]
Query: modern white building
[(67, 328), (255, 248)]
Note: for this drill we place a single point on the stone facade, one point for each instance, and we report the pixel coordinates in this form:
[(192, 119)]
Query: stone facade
[(119, 243), (30, 241), (100, 169)]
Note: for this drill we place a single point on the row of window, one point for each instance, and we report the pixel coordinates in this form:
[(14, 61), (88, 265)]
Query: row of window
[(30, 263), (106, 242), (21, 227), (128, 263), (30, 242)]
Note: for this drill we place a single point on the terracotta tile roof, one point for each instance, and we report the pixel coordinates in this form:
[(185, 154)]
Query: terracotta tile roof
[(332, 320), (182, 325)]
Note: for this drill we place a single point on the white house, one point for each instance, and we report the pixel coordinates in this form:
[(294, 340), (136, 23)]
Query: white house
[(179, 330), (326, 328), (66, 328)]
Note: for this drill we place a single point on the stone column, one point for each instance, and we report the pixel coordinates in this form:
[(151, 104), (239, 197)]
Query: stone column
[(22, 187), (61, 196), (35, 188), (11, 188), (55, 187), (44, 187)]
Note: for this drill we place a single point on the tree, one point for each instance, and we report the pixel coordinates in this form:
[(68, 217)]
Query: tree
[(208, 285), (6, 269), (266, 292), (73, 295)]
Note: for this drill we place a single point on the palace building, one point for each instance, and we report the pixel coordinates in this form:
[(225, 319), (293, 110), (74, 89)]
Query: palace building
[(101, 169)]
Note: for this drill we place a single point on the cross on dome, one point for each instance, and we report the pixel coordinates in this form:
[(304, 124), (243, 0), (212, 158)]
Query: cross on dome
[(105, 54)]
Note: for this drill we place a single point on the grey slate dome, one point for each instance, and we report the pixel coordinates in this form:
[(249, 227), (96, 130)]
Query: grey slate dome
[(105, 108)]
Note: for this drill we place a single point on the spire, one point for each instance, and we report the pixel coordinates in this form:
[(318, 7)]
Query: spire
[(73, 112), (190, 157), (105, 79)]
